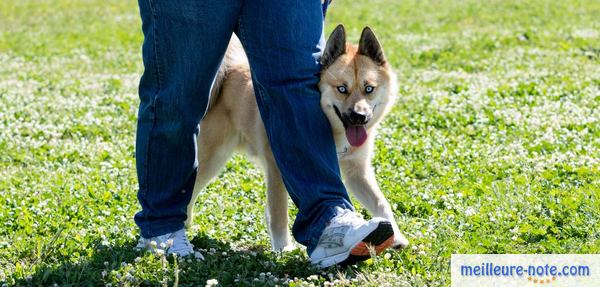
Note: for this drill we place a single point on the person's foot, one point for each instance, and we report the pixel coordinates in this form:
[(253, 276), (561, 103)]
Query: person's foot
[(175, 242), (347, 238)]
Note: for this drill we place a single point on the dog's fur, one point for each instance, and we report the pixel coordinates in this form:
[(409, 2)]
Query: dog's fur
[(233, 123)]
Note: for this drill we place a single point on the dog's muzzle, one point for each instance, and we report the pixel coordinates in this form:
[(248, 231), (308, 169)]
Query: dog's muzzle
[(358, 118), (337, 112), (352, 118)]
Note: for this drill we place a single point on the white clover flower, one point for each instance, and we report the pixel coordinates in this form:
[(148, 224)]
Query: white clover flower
[(470, 211), (211, 282), (169, 242), (104, 273), (159, 252)]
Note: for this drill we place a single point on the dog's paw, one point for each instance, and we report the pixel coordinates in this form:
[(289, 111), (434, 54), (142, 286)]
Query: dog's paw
[(286, 248), (400, 242), (283, 244), (289, 247)]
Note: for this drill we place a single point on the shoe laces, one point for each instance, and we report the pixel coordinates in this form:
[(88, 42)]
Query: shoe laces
[(347, 217)]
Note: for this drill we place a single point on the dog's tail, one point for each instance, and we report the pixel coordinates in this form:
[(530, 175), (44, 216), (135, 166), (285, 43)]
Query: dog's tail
[(234, 56)]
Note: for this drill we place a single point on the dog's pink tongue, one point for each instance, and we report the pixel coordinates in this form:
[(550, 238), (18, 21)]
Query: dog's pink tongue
[(356, 135)]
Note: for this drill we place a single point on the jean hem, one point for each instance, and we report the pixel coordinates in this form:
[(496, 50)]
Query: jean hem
[(149, 230)]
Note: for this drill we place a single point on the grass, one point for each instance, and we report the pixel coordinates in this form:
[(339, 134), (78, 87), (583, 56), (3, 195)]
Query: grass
[(492, 148)]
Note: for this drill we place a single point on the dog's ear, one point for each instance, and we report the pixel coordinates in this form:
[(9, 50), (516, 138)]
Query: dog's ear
[(369, 46), (335, 47)]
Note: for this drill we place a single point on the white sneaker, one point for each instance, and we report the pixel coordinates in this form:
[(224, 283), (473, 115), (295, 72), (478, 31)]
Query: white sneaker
[(346, 240), (175, 242)]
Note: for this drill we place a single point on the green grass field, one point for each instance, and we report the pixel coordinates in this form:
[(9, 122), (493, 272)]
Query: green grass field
[(493, 146)]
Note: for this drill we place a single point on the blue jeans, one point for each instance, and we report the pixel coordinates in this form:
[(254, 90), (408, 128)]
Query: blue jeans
[(184, 43)]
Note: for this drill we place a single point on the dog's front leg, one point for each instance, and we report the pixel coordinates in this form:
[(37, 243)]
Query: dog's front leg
[(276, 210), (360, 180)]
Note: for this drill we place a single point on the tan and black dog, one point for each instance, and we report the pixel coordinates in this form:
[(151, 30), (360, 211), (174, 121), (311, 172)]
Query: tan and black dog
[(358, 89)]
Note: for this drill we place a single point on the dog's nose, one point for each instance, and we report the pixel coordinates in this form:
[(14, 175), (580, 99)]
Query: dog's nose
[(358, 118)]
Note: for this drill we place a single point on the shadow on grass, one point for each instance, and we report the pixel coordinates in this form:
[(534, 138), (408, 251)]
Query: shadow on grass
[(247, 267)]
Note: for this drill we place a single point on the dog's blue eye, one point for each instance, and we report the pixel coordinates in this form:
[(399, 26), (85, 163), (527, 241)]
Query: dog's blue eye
[(369, 89), (342, 89)]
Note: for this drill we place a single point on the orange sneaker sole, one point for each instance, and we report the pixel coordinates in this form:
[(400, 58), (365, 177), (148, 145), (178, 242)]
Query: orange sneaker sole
[(380, 239)]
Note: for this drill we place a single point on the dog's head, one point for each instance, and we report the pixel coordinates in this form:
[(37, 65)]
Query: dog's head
[(357, 85)]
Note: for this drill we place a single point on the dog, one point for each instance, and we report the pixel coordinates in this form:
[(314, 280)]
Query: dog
[(357, 88)]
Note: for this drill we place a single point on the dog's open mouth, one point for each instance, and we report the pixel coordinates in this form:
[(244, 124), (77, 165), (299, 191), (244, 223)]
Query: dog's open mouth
[(355, 134)]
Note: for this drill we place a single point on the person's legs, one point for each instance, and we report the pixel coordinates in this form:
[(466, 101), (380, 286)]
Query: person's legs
[(283, 42), (184, 42)]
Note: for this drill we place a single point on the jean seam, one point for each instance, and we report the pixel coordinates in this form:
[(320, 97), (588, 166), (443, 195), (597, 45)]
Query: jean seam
[(158, 89), (157, 75), (257, 86), (269, 130), (155, 31)]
